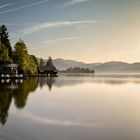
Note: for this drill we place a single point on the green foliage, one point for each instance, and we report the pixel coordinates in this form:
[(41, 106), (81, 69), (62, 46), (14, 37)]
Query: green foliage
[(49, 62), (41, 63), (20, 55), (32, 68), (34, 59), (4, 39), (26, 62), (4, 58)]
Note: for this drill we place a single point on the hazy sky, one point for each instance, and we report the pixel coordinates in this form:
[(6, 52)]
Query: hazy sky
[(84, 30)]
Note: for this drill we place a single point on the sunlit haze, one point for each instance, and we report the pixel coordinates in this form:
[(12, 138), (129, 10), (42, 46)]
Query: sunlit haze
[(83, 30)]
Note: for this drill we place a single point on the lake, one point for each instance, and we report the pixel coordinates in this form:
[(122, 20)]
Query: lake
[(71, 107)]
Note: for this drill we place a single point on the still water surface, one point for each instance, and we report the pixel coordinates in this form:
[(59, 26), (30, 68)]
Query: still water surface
[(83, 107)]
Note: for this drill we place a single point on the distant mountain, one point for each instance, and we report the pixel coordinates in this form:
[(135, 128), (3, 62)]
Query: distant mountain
[(107, 67), (62, 64), (112, 66), (118, 67)]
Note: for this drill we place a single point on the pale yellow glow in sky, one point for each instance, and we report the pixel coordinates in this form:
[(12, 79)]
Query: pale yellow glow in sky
[(87, 30)]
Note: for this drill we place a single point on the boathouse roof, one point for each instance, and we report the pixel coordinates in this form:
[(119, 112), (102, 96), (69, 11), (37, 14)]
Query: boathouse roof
[(47, 69), (9, 65)]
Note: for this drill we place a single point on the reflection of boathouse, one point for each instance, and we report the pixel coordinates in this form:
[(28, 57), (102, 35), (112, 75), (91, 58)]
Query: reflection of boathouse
[(6, 83), (46, 81), (10, 69)]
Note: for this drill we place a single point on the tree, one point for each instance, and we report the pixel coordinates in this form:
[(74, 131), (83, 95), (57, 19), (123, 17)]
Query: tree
[(78, 70), (34, 59), (4, 58), (20, 56), (32, 68), (26, 62), (4, 39), (49, 62), (41, 63)]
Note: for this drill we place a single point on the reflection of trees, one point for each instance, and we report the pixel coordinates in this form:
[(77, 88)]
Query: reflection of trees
[(46, 81), (20, 95), (19, 90), (50, 82), (5, 101)]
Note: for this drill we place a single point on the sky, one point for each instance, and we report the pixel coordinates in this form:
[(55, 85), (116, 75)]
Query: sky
[(82, 30)]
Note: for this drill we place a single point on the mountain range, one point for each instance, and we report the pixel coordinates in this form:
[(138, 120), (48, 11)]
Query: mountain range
[(107, 67)]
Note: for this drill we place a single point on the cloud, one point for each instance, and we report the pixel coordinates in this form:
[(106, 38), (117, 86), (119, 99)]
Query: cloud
[(59, 40), (47, 25), (6, 5), (22, 7), (73, 2), (12, 35)]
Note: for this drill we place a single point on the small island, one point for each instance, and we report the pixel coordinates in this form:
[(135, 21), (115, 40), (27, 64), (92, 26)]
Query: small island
[(77, 70)]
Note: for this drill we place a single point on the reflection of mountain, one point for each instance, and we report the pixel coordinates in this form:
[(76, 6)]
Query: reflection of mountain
[(8, 92), (74, 79), (94, 80)]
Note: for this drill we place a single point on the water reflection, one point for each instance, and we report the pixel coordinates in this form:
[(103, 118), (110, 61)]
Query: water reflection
[(73, 81), (46, 81), (17, 90)]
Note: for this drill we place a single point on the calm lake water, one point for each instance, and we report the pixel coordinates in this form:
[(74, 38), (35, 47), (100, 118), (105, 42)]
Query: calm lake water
[(71, 107)]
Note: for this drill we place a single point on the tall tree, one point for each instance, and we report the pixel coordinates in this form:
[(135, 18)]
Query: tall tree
[(32, 68), (4, 38), (20, 55), (41, 63), (34, 59), (4, 58), (49, 62), (26, 62)]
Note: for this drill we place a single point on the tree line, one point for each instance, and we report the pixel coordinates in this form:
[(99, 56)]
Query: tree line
[(77, 70), (27, 63)]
